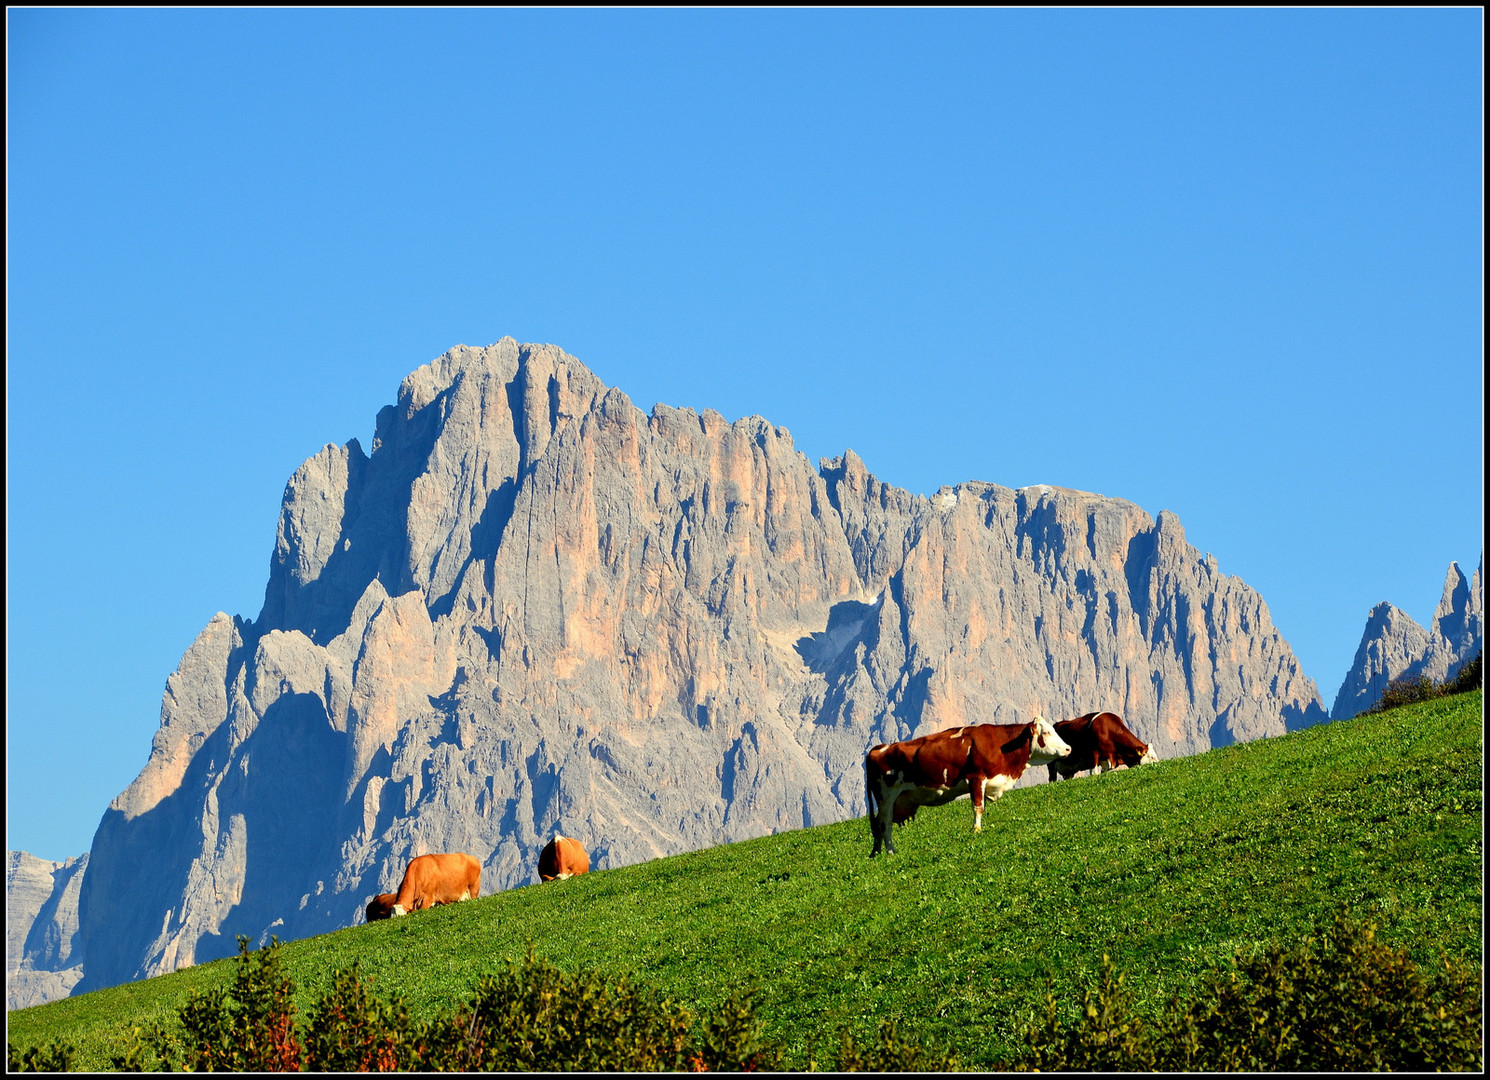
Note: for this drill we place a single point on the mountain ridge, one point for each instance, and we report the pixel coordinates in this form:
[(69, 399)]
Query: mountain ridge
[(533, 607)]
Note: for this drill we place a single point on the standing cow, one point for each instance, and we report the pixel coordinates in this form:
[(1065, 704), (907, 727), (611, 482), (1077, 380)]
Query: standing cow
[(430, 880), (899, 778), (1099, 739), (561, 858)]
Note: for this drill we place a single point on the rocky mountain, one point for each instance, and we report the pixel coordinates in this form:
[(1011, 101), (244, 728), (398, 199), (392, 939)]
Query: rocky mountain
[(1394, 646), (43, 958), (533, 607)]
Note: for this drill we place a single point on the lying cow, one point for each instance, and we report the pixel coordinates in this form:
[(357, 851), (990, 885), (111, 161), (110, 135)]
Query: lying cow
[(1099, 740), (430, 880), (561, 858), (900, 778)]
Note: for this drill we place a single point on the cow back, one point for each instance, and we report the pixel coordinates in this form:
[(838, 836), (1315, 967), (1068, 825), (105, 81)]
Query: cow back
[(439, 879), (562, 857)]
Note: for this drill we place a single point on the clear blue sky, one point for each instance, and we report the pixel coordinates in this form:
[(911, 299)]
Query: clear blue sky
[(1225, 263)]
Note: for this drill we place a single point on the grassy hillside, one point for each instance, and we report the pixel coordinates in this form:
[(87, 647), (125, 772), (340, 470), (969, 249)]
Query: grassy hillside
[(1167, 868)]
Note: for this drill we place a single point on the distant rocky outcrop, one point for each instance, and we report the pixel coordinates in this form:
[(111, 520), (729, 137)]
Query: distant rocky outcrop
[(533, 607), (1394, 646), (43, 958)]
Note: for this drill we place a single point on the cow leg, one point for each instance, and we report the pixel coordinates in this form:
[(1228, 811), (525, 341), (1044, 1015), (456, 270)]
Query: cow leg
[(887, 823), (975, 785), (876, 827)]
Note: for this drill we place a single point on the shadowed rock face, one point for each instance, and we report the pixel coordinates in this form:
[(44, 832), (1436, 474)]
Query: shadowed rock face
[(534, 608), (43, 958), (1394, 646)]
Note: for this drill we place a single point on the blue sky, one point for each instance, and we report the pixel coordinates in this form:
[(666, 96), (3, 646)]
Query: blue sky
[(1222, 262)]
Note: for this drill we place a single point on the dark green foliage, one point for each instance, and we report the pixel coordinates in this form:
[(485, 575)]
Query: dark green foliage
[(353, 1031), (731, 1040), (892, 1052), (1470, 677), (249, 1027), (1409, 690), (532, 1017), (53, 1057), (1340, 1001), (1106, 1037), (536, 1017)]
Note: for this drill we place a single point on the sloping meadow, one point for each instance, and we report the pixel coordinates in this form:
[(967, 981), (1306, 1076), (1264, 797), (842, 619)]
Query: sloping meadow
[(1170, 869)]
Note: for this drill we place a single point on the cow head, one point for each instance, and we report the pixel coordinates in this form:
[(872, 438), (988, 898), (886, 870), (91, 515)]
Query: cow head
[(381, 907), (1045, 744)]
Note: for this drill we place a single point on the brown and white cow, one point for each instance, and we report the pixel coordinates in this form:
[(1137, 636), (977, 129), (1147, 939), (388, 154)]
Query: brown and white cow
[(980, 759), (1099, 740), (430, 880), (561, 858)]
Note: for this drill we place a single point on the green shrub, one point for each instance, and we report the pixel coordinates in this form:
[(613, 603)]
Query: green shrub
[(54, 1057), (1409, 690), (892, 1052), (1338, 1002), (1470, 677), (536, 1017), (1343, 1001), (1106, 1037), (532, 1017), (353, 1031)]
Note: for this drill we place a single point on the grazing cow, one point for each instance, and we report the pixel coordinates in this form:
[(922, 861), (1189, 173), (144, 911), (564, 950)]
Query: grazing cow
[(900, 778), (1099, 739), (435, 879), (380, 906), (561, 858)]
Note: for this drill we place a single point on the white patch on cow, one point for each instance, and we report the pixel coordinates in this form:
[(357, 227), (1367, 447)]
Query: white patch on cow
[(466, 895), (564, 875), (1149, 757), (999, 784), (398, 909)]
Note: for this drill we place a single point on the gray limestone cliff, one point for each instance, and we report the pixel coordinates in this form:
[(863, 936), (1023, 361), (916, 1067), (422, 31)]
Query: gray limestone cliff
[(43, 955), (1394, 646), (533, 607)]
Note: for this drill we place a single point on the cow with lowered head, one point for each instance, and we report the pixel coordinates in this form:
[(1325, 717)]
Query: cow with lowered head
[(430, 880), (561, 858), (1099, 740), (980, 759), (380, 906)]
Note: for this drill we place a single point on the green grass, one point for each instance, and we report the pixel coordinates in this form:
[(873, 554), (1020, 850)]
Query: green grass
[(1168, 868)]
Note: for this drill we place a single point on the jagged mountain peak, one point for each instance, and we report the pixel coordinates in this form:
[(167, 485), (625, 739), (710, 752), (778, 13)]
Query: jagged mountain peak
[(1395, 646)]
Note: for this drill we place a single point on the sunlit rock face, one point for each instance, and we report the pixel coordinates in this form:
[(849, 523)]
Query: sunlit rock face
[(534, 608), (43, 956), (1394, 646)]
